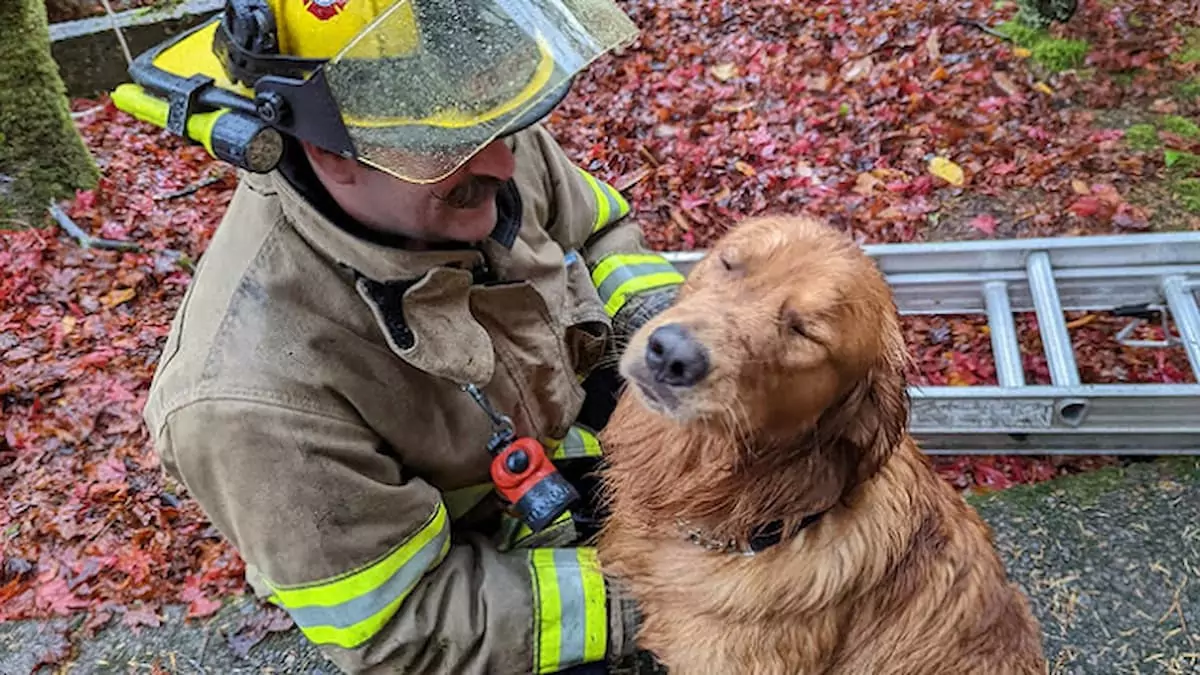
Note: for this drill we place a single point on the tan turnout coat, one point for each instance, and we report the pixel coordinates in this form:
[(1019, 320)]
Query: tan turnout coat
[(308, 397)]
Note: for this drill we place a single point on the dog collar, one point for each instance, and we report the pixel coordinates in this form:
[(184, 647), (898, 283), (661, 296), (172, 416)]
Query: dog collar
[(761, 538)]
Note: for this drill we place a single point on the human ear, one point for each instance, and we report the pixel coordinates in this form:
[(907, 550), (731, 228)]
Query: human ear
[(331, 167)]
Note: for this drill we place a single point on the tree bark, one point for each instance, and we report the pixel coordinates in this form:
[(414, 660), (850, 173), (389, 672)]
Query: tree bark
[(42, 155)]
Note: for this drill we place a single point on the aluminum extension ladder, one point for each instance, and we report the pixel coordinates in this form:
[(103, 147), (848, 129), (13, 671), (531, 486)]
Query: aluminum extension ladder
[(1048, 276)]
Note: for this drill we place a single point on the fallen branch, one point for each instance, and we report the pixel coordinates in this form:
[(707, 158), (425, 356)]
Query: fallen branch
[(112, 17), (80, 114), (196, 187), (971, 23), (86, 240)]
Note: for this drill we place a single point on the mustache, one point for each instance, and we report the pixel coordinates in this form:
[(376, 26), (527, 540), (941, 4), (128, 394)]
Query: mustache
[(472, 192)]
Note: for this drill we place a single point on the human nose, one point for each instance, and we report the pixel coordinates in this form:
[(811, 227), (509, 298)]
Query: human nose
[(496, 160)]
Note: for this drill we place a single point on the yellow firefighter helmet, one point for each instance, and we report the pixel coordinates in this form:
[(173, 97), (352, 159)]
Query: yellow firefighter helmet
[(411, 87)]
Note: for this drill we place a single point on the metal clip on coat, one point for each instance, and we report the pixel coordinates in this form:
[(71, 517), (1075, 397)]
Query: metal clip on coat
[(523, 473)]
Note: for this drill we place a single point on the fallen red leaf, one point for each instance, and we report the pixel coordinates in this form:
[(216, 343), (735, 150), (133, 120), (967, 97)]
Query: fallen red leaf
[(137, 618), (985, 223), (266, 619), (202, 607), (1085, 207)]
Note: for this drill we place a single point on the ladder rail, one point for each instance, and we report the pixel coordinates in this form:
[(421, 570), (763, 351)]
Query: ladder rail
[(1045, 408), (1143, 249), (1079, 289), (1107, 443)]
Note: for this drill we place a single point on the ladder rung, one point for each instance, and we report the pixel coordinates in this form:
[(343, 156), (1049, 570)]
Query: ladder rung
[(1182, 302), (1005, 349), (1056, 340)]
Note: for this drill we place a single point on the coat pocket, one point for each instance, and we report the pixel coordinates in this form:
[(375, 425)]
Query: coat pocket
[(531, 356), (428, 323)]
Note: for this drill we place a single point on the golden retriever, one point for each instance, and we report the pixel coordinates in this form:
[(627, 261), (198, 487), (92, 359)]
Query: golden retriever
[(768, 509)]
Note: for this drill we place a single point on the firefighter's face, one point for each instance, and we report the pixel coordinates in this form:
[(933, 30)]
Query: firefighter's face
[(461, 207)]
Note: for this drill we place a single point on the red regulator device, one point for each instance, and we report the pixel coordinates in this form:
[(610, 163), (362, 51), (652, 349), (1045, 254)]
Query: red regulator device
[(522, 471)]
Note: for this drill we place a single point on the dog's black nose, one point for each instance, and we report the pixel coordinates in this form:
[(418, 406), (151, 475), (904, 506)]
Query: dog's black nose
[(674, 356)]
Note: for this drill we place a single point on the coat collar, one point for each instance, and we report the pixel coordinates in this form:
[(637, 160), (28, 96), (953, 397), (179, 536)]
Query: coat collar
[(379, 256)]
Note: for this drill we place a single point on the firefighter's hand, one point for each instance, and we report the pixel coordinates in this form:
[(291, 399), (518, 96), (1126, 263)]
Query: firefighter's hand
[(641, 308)]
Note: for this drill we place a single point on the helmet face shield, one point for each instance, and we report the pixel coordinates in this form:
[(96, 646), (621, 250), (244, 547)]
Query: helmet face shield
[(415, 89), (429, 83)]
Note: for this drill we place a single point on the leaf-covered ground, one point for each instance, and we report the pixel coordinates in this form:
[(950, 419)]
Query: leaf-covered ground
[(70, 10), (888, 118)]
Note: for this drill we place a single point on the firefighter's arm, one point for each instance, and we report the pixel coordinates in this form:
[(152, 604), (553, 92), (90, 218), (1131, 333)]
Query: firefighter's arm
[(362, 556), (588, 215)]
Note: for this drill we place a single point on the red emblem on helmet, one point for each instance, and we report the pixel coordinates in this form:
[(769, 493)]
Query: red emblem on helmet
[(324, 9)]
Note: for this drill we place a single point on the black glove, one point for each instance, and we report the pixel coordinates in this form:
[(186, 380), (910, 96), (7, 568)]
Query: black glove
[(586, 669), (603, 384), (639, 309)]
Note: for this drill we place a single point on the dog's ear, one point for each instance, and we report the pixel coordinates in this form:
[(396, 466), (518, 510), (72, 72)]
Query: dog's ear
[(873, 417)]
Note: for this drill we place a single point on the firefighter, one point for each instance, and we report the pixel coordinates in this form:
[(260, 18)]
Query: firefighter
[(403, 228)]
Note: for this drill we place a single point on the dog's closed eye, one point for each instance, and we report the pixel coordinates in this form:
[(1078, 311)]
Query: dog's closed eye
[(796, 325)]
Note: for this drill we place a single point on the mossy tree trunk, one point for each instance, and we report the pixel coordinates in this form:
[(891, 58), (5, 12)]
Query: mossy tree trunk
[(42, 155)]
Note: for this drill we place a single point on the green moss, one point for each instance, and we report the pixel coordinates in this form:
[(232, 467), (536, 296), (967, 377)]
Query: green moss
[(1187, 191), (1060, 54), (1021, 34), (1181, 468), (1125, 78), (1084, 489), (1190, 53), (1180, 125), (1180, 162), (1188, 91), (1142, 137), (1054, 53), (43, 153)]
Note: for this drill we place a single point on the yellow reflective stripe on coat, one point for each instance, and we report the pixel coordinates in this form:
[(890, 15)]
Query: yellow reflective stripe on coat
[(348, 610), (580, 442), (571, 617), (611, 206), (620, 275)]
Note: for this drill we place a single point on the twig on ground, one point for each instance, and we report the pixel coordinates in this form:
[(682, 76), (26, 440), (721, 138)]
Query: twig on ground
[(198, 666), (86, 240), (117, 29), (963, 21), (80, 114), (196, 187), (204, 648)]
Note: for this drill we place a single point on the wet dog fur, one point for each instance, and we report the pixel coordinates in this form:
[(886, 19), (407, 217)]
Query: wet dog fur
[(774, 389)]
